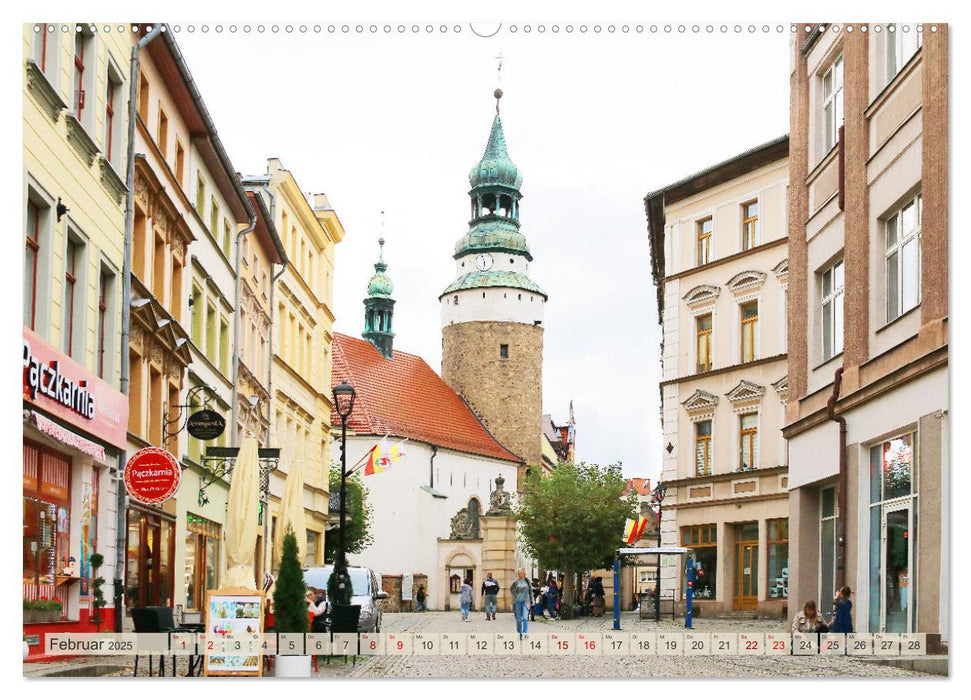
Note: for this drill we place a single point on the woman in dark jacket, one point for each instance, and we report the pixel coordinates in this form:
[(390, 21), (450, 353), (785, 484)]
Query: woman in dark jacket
[(842, 608)]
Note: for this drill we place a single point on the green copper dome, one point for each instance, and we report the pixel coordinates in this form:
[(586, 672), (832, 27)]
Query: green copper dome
[(493, 236), (380, 284), (495, 168)]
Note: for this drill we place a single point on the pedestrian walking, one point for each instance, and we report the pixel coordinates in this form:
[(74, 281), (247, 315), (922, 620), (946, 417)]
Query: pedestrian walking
[(420, 598), (521, 592), (552, 598), (490, 589), (465, 599), (809, 620), (842, 607)]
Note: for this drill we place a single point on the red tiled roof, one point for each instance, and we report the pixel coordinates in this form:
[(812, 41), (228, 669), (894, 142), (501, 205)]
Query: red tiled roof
[(404, 397), (641, 487)]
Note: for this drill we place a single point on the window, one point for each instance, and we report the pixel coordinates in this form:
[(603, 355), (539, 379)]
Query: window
[(704, 540), (703, 344), (179, 161), (703, 448), (46, 521), (227, 238), (224, 345), (704, 241), (832, 293), (748, 442), (112, 135), (903, 259), (197, 318), (163, 133), (214, 218), (211, 332), (143, 89), (750, 225), (106, 288), (200, 195), (45, 49), (827, 542), (313, 546), (72, 268), (31, 258), (832, 103), (81, 46), (902, 43), (504, 352), (455, 300), (750, 330), (778, 573), (201, 560), (892, 469)]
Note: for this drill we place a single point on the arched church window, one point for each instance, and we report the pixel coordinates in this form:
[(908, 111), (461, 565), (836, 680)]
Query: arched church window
[(474, 510)]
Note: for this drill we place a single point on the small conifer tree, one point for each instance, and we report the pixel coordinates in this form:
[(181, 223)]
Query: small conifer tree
[(290, 592)]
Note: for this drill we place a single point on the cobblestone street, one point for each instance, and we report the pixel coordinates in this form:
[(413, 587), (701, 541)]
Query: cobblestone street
[(596, 666)]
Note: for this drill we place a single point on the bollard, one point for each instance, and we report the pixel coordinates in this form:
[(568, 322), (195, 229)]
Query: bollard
[(617, 592), (690, 594)]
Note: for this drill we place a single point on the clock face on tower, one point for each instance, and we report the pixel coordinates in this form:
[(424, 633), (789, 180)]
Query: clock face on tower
[(483, 261)]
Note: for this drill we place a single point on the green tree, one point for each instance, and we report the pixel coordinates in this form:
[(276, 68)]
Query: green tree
[(358, 517), (572, 520), (290, 590)]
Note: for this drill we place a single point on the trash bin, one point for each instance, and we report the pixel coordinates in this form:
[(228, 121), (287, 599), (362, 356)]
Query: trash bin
[(646, 607)]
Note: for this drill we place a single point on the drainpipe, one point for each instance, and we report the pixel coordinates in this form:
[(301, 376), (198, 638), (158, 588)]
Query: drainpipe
[(269, 390), (431, 467), (239, 292), (841, 483), (122, 522)]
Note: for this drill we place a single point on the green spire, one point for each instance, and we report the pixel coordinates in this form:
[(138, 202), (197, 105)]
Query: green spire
[(379, 307), (495, 167)]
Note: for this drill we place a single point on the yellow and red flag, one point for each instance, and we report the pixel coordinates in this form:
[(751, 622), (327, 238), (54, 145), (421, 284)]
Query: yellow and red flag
[(382, 456), (633, 529)]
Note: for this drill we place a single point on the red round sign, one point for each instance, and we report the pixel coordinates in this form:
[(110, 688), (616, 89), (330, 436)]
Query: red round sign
[(152, 475)]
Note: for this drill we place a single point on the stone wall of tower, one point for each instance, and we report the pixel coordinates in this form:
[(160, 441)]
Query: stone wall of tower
[(506, 393)]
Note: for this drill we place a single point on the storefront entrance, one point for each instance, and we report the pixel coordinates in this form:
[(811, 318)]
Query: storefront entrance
[(898, 548), (746, 583), (150, 550)]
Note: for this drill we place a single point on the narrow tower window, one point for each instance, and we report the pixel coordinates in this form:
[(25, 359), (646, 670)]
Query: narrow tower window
[(504, 352)]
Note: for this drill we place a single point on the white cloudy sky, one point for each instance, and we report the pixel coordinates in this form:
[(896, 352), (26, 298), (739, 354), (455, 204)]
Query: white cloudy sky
[(594, 122)]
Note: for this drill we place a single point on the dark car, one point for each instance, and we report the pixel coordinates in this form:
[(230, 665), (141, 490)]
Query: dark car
[(365, 593)]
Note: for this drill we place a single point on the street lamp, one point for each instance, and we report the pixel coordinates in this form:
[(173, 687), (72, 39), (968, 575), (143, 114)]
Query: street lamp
[(344, 395), (658, 495)]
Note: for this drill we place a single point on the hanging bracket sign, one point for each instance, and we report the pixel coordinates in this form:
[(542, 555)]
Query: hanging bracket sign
[(152, 475), (205, 425)]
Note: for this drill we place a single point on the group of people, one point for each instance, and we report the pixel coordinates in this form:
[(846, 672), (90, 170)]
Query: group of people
[(811, 620)]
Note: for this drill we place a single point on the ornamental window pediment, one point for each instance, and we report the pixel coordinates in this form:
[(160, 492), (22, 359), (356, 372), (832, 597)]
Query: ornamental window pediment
[(782, 388), (701, 295), (782, 270), (745, 394), (746, 282), (700, 404)]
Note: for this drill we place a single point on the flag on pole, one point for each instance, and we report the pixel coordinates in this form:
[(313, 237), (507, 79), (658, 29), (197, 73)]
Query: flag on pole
[(383, 456), (633, 529)]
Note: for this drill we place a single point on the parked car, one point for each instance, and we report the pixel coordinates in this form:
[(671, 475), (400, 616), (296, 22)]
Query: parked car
[(366, 593)]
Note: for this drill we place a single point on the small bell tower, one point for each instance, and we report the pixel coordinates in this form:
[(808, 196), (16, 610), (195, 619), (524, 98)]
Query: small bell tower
[(379, 307)]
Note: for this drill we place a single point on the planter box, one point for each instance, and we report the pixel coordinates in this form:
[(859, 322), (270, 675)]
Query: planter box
[(32, 616), (291, 667)]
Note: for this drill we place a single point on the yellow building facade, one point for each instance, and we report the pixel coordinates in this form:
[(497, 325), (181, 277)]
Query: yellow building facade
[(302, 340)]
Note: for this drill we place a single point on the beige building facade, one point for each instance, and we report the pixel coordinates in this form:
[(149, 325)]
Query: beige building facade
[(301, 353), (719, 255), (867, 422)]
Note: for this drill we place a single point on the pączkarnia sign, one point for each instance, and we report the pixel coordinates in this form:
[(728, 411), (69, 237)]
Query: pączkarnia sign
[(62, 387)]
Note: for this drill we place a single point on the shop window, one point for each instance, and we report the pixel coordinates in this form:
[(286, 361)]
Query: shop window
[(827, 542), (703, 540), (150, 548), (778, 558), (201, 560), (892, 469), (46, 523)]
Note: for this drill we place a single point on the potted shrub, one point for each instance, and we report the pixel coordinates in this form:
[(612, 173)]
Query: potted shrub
[(290, 612), (344, 616), (99, 599), (42, 610)]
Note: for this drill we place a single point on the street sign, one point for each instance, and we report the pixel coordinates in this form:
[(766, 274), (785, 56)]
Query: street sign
[(205, 425), (152, 475)]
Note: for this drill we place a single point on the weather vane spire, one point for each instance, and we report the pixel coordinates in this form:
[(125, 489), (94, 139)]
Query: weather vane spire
[(498, 91), (381, 239)]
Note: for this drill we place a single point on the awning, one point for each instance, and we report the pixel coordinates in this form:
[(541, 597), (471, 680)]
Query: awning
[(66, 437)]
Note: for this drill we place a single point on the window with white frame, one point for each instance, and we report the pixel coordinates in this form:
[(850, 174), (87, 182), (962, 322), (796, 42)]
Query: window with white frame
[(73, 302), (903, 258), (47, 50), (831, 289), (749, 331), (85, 62), (903, 40), (703, 448), (832, 103), (703, 338), (748, 442), (112, 115)]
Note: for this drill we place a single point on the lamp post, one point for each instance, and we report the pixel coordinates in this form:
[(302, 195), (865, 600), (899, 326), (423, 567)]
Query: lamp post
[(659, 492), (344, 395)]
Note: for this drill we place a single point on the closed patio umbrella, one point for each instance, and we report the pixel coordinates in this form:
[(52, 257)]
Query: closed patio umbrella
[(242, 515), (291, 511)]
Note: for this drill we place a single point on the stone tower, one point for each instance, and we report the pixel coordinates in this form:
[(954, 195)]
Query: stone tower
[(379, 308), (492, 314)]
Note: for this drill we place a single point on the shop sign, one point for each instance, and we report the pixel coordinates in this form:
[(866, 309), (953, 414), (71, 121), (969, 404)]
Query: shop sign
[(205, 425), (60, 386), (152, 475)]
